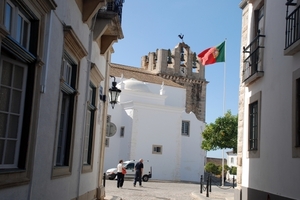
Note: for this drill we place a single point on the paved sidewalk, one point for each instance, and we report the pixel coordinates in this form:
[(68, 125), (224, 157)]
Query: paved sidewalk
[(217, 193), (158, 190)]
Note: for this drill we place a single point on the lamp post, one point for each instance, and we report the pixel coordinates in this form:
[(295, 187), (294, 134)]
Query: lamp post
[(114, 93)]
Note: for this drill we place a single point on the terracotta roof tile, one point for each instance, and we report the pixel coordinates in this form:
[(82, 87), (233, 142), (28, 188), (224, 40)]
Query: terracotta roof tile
[(139, 74)]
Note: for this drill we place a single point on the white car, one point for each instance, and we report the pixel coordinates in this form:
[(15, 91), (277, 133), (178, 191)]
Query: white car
[(111, 173)]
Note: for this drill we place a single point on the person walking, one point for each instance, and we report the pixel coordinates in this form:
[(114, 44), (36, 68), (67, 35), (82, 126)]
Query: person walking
[(120, 174), (139, 166)]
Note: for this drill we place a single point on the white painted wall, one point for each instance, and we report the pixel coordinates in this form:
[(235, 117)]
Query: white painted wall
[(275, 171), (42, 186), (153, 119)]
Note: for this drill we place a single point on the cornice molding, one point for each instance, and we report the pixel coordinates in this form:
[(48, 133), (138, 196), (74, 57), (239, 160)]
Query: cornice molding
[(44, 6), (243, 4), (73, 44), (95, 74), (11, 45)]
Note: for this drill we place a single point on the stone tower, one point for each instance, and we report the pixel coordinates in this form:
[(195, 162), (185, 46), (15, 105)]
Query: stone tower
[(181, 65)]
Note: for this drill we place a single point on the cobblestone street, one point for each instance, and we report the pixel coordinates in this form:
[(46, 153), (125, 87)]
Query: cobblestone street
[(152, 190)]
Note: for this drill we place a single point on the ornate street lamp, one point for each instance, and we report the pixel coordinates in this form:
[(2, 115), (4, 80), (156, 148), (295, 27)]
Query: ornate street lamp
[(114, 93)]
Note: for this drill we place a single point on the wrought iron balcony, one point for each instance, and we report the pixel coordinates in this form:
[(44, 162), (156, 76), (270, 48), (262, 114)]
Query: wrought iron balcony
[(116, 7), (252, 63), (107, 26), (292, 31)]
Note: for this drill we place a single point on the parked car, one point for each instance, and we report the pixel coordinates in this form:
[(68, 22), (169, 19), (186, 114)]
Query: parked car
[(111, 173)]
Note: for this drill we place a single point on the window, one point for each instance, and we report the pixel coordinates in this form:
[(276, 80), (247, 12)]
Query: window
[(12, 97), (68, 92), (67, 103), (102, 96), (231, 160), (253, 53), (8, 16), (90, 131), (19, 78), (23, 27), (66, 117), (67, 72), (297, 135), (258, 41), (130, 166), (157, 149), (254, 125), (88, 142), (17, 24), (296, 115), (185, 128), (122, 130), (259, 20)]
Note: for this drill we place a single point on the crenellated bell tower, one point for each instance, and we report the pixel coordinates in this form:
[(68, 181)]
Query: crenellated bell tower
[(181, 65)]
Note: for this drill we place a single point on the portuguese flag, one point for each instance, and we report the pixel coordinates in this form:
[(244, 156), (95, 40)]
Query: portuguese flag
[(213, 55)]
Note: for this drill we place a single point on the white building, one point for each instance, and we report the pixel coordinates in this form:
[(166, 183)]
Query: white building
[(152, 123), (53, 61), (269, 105), (231, 162)]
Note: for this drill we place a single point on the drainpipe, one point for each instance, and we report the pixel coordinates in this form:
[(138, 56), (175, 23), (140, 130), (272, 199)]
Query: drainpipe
[(89, 57)]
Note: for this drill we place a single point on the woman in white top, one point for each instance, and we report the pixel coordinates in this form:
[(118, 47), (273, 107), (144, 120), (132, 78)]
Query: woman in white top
[(120, 174)]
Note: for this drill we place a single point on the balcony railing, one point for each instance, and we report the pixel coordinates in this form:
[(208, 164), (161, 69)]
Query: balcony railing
[(116, 6), (292, 32), (252, 55)]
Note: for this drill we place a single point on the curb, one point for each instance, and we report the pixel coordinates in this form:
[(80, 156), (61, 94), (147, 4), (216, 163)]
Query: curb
[(112, 198)]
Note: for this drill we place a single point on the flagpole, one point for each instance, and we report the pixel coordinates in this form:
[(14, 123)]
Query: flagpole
[(224, 100)]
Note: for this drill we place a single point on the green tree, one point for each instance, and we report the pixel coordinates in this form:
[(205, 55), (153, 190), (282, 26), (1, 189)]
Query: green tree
[(226, 168), (221, 134), (211, 168), (233, 170), (215, 169)]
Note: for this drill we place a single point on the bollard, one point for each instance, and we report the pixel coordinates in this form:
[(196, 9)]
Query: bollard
[(201, 180), (233, 182), (104, 177), (210, 183), (220, 180), (207, 185)]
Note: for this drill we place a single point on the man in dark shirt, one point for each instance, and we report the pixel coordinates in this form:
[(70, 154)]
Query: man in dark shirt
[(139, 166)]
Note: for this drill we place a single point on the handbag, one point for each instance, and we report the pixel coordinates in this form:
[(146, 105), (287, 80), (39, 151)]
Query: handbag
[(123, 171)]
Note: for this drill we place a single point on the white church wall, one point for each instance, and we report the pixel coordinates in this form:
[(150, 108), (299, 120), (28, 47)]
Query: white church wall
[(163, 130), (138, 96), (192, 156), (147, 123), (118, 146), (174, 96)]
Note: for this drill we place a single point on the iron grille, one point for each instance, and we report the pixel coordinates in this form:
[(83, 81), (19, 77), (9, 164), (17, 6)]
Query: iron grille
[(252, 57)]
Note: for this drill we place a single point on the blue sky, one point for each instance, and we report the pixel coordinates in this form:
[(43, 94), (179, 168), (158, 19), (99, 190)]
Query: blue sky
[(156, 24)]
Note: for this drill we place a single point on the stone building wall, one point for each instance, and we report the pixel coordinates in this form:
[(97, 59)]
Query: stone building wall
[(244, 40)]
